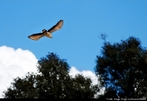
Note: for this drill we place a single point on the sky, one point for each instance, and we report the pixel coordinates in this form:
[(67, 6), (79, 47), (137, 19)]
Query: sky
[(78, 41)]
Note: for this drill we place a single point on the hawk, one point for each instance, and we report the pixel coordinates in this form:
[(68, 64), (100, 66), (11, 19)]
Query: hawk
[(47, 33)]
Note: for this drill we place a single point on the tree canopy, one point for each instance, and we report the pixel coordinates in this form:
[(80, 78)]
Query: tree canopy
[(53, 81), (123, 68)]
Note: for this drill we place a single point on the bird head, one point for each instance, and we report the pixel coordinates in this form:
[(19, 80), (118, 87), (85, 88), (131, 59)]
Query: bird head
[(44, 30)]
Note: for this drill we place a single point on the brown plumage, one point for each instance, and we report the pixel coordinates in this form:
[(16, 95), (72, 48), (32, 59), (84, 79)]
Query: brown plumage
[(47, 33)]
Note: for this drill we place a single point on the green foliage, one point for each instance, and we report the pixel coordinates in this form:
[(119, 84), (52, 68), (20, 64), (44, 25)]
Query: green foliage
[(53, 81), (109, 93), (123, 68)]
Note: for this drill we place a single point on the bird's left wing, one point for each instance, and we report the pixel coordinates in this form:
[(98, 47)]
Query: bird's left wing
[(36, 36)]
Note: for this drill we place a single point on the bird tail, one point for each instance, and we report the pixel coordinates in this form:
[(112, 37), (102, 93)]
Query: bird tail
[(49, 35)]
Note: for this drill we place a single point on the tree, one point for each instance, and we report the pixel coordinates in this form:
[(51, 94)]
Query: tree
[(53, 81), (123, 68), (108, 93)]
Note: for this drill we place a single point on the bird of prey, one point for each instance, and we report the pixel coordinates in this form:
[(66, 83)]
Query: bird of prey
[(47, 33)]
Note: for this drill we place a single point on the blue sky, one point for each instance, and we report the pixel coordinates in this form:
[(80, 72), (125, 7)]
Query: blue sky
[(84, 20)]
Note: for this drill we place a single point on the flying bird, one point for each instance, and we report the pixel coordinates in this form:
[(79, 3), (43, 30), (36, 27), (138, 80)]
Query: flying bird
[(47, 33)]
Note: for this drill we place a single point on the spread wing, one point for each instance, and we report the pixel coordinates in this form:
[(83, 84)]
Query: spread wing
[(36, 36), (57, 26)]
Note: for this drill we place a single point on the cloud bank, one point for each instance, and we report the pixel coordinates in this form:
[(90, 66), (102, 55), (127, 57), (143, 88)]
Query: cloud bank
[(14, 63), (73, 71), (86, 73), (17, 62)]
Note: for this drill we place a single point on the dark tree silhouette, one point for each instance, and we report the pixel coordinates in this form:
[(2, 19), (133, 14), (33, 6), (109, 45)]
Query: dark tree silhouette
[(123, 68), (53, 81)]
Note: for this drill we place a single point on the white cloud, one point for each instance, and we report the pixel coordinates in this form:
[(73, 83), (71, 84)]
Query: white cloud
[(17, 62), (86, 73), (14, 63)]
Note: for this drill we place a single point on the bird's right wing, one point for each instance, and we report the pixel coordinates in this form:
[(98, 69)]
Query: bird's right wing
[(57, 26), (36, 36)]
